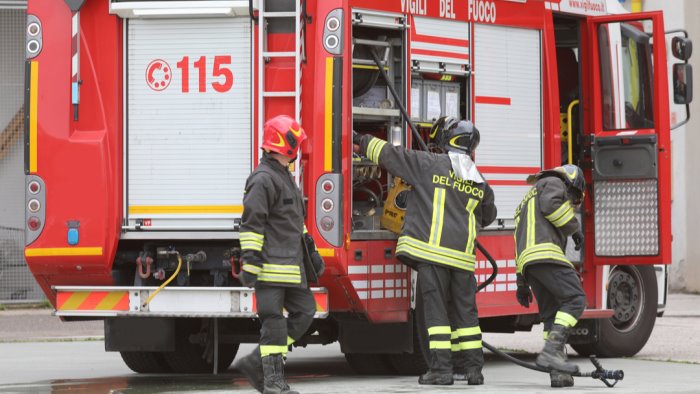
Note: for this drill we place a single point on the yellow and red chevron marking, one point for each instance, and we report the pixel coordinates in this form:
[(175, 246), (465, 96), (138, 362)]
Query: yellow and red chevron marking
[(93, 301)]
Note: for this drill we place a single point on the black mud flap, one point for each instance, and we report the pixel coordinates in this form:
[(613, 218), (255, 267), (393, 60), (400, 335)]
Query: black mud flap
[(139, 334), (587, 331)]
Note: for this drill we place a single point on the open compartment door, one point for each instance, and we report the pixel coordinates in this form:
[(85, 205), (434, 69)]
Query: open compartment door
[(630, 144)]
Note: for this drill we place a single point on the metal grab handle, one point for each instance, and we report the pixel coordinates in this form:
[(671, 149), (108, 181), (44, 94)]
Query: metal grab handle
[(570, 130)]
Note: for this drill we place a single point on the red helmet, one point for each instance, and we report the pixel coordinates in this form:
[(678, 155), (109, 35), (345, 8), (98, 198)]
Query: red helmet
[(283, 135)]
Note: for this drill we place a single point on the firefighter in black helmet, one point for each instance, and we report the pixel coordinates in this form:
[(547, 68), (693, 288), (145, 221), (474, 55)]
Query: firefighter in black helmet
[(449, 201), (544, 220)]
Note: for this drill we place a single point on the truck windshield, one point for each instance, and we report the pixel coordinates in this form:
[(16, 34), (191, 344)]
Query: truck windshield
[(626, 76)]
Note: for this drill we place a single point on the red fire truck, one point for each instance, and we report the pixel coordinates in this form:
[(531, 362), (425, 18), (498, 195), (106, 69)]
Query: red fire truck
[(145, 118)]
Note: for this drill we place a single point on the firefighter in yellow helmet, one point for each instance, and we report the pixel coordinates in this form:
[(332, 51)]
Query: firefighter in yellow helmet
[(450, 200), (544, 219), (273, 242)]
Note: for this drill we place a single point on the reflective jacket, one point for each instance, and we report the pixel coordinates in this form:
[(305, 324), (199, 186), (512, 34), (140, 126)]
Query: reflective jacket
[(273, 224), (543, 221), (443, 210)]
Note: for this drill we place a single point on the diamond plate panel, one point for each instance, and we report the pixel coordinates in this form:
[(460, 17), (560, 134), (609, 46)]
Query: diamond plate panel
[(626, 218)]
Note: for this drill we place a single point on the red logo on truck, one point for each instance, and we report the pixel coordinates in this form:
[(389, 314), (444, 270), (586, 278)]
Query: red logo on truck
[(158, 75)]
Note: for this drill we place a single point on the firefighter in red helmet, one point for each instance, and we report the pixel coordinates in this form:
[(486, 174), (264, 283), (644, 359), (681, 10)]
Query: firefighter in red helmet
[(273, 242)]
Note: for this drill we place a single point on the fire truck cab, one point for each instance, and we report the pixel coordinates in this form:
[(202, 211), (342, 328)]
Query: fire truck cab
[(145, 119)]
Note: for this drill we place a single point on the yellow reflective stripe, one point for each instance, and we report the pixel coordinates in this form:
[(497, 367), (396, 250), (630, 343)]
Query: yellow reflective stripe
[(559, 212), (545, 334), (466, 332), (328, 117), (184, 209), (548, 246), (564, 219), (565, 319), (251, 268), (441, 250), (438, 330), (440, 345), (61, 252), (278, 278), (290, 341), (438, 216), (33, 114), (266, 350), (468, 345), (374, 149), (435, 254), (471, 206), (253, 247), (280, 268), (306, 230), (515, 236), (249, 235), (530, 223)]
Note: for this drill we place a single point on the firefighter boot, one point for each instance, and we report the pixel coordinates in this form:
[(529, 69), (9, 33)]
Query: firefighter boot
[(273, 369), (440, 373), (251, 366), (553, 356), (559, 379), (474, 376)]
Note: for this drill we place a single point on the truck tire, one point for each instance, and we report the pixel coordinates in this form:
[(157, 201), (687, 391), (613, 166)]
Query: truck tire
[(369, 364), (145, 362), (188, 357), (633, 296)]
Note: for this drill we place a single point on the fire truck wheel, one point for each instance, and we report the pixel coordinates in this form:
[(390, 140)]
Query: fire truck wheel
[(145, 362), (633, 296), (369, 364), (188, 356)]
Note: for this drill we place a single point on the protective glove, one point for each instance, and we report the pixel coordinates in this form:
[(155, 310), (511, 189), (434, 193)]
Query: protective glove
[(523, 294), (578, 240), (247, 279), (316, 260), (356, 138), (252, 263)]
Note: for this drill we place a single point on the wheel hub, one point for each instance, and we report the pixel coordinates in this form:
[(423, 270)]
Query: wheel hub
[(625, 299)]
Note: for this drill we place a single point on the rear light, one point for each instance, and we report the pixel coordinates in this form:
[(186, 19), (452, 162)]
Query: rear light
[(333, 32), (33, 223), (33, 47), (331, 42), (34, 187), (327, 223), (33, 38), (34, 205), (33, 29), (34, 208), (327, 205), (333, 24), (327, 186)]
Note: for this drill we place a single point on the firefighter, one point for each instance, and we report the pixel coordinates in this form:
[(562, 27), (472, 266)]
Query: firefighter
[(449, 200), (273, 237), (544, 219)]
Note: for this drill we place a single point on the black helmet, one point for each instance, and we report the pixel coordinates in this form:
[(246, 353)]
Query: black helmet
[(572, 177), (450, 134)]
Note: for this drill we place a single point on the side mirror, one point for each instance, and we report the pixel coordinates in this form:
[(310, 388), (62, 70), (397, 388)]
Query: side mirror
[(682, 83), (682, 48)]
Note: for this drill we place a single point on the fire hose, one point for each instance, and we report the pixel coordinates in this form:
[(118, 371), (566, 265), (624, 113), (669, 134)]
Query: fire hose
[(600, 373)]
